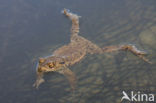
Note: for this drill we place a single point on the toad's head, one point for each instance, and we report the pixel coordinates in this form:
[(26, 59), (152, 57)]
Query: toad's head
[(50, 64)]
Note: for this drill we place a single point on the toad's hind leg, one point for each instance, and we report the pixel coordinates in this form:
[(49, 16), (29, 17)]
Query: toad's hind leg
[(131, 48), (75, 23), (135, 51)]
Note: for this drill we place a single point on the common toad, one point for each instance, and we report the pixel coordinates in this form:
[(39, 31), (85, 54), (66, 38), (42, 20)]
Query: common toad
[(74, 52)]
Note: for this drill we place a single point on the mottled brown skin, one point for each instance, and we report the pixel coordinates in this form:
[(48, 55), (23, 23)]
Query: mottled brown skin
[(74, 52)]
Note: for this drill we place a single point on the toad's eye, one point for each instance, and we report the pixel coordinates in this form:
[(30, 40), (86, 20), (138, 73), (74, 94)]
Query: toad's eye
[(41, 60), (51, 65)]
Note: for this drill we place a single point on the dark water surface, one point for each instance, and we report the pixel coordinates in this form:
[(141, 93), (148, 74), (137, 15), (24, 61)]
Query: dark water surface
[(30, 29)]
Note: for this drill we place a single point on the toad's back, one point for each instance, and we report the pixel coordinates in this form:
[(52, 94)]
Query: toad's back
[(71, 53), (76, 49)]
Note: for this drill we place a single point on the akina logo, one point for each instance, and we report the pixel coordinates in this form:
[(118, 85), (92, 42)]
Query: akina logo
[(137, 97)]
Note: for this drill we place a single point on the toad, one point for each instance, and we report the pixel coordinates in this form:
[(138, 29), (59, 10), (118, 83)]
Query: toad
[(72, 53)]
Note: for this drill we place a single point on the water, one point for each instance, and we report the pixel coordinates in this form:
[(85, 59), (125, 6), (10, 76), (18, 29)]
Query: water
[(30, 29)]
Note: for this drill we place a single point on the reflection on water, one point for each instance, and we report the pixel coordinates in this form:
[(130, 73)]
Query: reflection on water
[(33, 29)]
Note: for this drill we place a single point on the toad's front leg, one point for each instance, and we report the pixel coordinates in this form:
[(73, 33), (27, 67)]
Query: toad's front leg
[(39, 79), (70, 76)]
